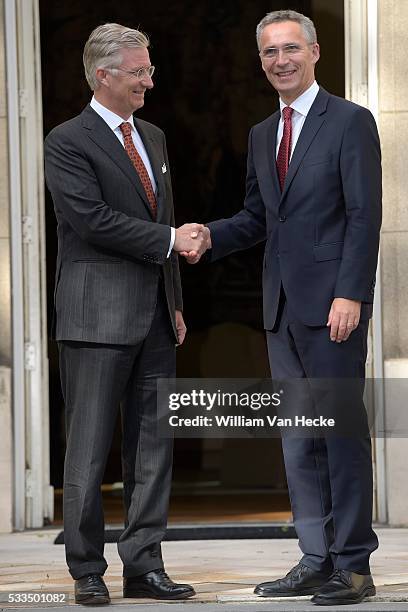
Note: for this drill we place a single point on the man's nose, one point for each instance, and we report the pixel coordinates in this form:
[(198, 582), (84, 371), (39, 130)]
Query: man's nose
[(147, 81), (282, 57)]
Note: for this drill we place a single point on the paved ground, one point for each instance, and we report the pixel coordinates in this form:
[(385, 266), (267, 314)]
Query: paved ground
[(238, 607), (223, 573)]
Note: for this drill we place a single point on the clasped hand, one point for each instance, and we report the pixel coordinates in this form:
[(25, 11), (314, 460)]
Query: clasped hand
[(192, 241)]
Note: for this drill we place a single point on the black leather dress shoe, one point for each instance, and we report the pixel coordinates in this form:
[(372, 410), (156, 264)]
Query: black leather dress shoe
[(91, 591), (156, 585), (344, 587), (301, 580)]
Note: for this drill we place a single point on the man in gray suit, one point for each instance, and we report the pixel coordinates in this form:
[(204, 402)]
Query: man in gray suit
[(117, 312)]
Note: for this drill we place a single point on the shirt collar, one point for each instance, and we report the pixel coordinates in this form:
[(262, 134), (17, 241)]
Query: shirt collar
[(303, 103), (108, 116)]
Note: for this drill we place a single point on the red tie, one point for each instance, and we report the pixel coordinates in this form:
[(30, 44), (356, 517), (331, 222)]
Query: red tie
[(137, 161), (282, 161)]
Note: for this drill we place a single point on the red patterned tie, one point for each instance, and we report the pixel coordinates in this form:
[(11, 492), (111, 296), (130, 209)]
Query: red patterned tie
[(137, 161), (282, 161)]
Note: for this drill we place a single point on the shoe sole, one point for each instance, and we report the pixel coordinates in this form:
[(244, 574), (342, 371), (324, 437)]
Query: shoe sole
[(311, 591), (370, 592), (92, 600), (141, 594)]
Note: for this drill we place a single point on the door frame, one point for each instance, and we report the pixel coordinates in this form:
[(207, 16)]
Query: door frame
[(361, 86), (33, 496)]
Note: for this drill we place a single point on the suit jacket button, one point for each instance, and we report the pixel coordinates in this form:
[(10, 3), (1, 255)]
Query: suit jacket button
[(282, 219)]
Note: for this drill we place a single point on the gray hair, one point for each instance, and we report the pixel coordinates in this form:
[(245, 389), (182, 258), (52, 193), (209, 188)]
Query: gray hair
[(102, 49), (307, 24)]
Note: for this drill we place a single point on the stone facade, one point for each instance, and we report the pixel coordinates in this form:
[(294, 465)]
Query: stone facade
[(393, 123)]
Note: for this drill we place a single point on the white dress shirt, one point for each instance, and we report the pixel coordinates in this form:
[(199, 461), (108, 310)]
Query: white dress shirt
[(114, 122), (301, 106)]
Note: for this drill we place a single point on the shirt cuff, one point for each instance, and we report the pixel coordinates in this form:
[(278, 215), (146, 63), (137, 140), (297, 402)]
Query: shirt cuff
[(172, 240)]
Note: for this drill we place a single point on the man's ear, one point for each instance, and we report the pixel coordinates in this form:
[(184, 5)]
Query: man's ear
[(316, 53), (101, 76)]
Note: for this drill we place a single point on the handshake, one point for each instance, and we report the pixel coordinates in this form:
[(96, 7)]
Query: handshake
[(192, 241)]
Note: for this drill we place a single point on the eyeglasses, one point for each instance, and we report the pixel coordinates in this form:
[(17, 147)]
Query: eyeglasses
[(273, 52), (139, 74)]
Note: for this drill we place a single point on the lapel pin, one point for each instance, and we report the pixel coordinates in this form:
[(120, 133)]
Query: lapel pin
[(164, 169)]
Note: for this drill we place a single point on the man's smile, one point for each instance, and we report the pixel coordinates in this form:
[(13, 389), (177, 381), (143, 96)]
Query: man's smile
[(285, 73)]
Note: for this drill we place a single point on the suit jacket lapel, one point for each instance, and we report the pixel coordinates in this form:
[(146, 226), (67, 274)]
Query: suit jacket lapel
[(102, 135), (313, 122), (271, 148)]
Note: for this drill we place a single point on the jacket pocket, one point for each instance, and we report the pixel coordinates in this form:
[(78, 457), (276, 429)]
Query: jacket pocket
[(314, 161), (325, 252)]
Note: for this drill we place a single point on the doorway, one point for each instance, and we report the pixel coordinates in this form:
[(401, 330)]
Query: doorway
[(209, 91)]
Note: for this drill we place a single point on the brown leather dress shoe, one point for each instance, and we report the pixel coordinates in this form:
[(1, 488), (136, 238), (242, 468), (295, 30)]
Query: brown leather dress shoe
[(344, 587), (301, 580), (156, 585), (91, 591)]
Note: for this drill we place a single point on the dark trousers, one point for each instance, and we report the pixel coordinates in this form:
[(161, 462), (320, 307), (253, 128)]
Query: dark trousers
[(329, 478), (96, 379)]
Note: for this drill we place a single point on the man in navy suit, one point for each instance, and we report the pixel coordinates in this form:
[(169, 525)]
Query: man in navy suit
[(313, 191)]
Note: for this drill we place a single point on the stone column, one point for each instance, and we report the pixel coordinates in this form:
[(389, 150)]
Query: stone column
[(393, 124), (6, 465)]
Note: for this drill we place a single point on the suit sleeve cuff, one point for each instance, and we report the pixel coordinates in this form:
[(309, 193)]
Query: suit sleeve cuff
[(172, 240)]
